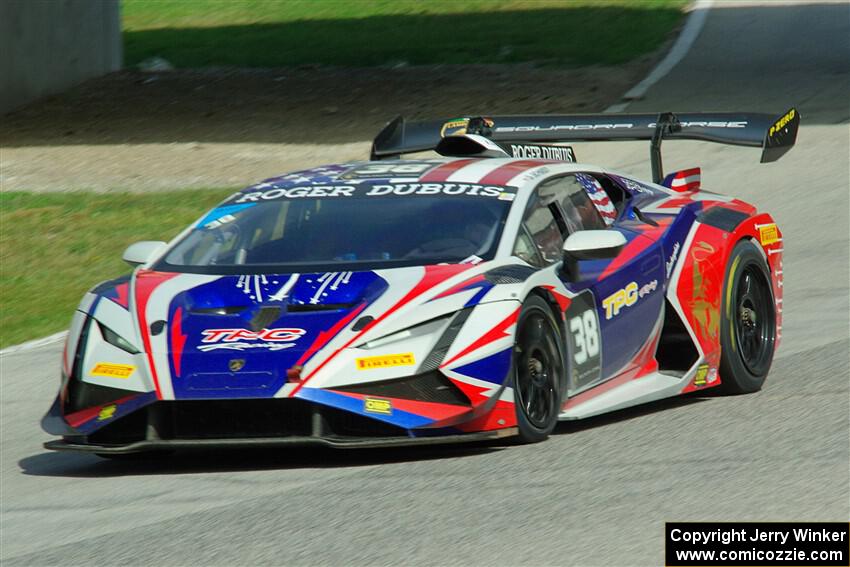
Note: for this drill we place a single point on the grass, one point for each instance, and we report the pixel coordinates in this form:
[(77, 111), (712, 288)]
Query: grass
[(54, 247), (269, 33)]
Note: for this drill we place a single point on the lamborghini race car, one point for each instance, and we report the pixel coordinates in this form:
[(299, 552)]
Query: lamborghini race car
[(486, 293)]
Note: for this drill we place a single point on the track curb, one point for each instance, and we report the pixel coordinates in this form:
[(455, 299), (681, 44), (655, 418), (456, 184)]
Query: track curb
[(35, 343), (681, 47)]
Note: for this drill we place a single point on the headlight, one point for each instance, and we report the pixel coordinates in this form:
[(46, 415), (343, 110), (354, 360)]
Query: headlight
[(115, 339), (426, 328)]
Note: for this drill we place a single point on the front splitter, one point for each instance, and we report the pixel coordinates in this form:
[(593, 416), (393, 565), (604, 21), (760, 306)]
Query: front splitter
[(271, 442)]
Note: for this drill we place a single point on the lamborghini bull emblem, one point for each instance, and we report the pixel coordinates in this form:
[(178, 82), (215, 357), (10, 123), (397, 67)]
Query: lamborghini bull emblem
[(236, 364)]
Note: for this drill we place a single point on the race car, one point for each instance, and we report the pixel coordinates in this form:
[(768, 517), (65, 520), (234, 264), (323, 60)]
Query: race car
[(483, 294)]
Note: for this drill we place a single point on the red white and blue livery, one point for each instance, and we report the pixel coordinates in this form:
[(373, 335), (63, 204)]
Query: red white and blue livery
[(486, 293)]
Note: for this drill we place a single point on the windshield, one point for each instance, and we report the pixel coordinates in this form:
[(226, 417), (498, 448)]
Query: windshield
[(362, 231)]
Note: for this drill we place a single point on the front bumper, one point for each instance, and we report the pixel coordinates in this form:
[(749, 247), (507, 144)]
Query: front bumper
[(198, 424)]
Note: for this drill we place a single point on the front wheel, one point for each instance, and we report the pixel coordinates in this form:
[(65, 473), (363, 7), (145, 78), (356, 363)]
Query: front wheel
[(537, 371), (747, 321)]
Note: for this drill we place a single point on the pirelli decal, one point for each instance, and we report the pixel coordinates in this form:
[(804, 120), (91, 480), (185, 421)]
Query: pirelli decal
[(111, 370), (768, 234), (782, 122), (540, 151), (386, 361)]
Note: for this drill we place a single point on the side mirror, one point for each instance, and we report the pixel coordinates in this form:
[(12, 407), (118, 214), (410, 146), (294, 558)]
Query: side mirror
[(590, 245), (142, 252)]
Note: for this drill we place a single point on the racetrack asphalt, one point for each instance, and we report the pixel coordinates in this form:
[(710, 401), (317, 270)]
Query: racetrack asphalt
[(597, 492)]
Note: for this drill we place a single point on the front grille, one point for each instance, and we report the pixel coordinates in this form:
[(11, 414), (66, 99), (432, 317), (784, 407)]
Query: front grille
[(339, 423), (239, 419), (214, 419), (128, 429)]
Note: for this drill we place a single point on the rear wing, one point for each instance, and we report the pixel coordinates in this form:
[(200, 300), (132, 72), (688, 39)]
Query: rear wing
[(774, 135)]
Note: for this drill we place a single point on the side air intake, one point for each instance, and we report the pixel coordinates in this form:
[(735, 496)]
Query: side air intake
[(676, 351)]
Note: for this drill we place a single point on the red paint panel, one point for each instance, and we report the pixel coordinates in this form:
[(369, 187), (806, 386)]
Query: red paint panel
[(460, 287), (677, 203), (123, 291), (146, 283), (88, 414), (325, 336), (178, 339), (494, 334), (442, 172), (563, 300), (700, 287)]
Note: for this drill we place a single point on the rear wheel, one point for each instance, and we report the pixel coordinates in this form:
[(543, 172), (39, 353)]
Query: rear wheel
[(747, 322), (537, 371)]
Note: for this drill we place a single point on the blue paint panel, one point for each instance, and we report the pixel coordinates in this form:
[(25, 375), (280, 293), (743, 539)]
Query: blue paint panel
[(204, 366), (493, 368), (94, 305), (219, 212), (400, 418), (676, 234), (625, 333), (476, 299)]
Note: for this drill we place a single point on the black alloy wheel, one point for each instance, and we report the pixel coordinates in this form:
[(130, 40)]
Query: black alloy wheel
[(754, 328), (747, 322), (538, 371)]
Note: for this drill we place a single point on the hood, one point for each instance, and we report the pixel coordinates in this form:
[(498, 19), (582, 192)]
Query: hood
[(246, 336), (242, 335)]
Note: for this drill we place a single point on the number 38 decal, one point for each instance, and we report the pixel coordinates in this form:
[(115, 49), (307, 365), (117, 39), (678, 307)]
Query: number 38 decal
[(585, 340), (381, 170), (586, 336)]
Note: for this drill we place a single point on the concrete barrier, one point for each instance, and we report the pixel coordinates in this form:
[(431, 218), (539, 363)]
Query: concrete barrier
[(47, 46)]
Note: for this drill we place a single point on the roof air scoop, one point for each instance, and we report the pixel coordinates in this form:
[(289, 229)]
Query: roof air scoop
[(469, 145)]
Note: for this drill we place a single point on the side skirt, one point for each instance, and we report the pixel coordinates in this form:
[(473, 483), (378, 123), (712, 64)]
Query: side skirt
[(626, 392)]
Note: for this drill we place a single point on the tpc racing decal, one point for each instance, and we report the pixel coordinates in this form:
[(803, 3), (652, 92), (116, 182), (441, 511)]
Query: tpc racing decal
[(241, 339)]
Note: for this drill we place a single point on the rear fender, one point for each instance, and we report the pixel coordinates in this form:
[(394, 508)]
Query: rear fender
[(765, 233)]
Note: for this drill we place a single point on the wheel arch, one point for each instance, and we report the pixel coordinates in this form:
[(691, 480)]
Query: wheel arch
[(547, 295)]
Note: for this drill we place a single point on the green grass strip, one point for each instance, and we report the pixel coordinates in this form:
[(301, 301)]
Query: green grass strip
[(55, 246), (263, 33)]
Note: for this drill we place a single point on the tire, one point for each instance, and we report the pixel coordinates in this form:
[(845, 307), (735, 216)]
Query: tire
[(537, 370), (747, 321)]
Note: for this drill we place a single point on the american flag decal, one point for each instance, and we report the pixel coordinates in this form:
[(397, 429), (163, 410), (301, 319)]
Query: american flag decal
[(599, 197), (685, 180)]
